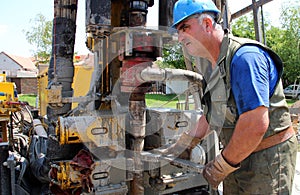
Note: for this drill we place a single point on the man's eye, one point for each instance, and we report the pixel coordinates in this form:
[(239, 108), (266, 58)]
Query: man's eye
[(185, 27)]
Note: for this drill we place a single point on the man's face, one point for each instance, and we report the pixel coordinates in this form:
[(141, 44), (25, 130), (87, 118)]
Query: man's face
[(191, 35)]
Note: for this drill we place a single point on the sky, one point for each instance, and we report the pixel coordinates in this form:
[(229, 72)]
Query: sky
[(15, 16)]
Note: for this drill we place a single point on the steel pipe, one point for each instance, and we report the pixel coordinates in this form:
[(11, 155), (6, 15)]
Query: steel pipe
[(156, 74)]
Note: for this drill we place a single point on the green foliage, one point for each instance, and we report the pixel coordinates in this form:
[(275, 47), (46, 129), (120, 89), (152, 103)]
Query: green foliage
[(40, 36), (274, 36), (285, 41), (244, 27), (172, 57), (290, 50)]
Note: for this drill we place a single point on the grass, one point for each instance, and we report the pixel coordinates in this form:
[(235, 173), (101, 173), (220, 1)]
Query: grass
[(152, 100), (31, 99), (162, 100), (290, 102)]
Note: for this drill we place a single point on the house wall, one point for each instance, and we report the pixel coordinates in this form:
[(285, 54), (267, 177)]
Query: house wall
[(18, 85), (8, 65), (26, 85), (21, 71), (29, 86)]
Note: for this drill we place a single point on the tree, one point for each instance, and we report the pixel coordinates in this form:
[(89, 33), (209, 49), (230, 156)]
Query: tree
[(244, 27), (40, 36), (290, 40), (285, 41), (172, 57)]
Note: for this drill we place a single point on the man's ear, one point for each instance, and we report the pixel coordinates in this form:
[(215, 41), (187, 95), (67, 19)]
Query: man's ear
[(208, 24)]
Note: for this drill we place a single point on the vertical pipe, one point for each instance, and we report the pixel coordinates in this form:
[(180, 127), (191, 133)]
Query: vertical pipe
[(61, 68), (5, 187), (226, 15), (263, 24), (61, 73), (11, 165), (137, 107), (107, 67), (166, 13), (11, 129), (137, 112), (103, 65), (257, 23)]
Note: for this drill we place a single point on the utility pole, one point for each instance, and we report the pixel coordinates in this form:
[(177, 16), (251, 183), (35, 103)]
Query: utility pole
[(257, 22), (257, 17)]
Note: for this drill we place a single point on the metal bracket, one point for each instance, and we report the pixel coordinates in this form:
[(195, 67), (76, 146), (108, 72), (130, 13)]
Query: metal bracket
[(147, 156)]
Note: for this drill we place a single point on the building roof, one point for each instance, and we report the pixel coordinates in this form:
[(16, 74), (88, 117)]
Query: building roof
[(84, 60), (25, 62)]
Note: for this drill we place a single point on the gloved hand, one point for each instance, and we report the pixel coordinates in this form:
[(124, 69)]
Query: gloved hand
[(217, 170), (183, 146)]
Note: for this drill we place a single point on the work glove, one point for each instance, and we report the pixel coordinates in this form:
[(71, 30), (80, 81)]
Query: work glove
[(183, 146), (217, 170)]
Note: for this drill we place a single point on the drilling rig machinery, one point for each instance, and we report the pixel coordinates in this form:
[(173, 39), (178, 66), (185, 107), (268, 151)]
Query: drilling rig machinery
[(108, 143)]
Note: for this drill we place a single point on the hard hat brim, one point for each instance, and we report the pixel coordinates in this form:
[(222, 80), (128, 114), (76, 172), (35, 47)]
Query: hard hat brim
[(174, 25)]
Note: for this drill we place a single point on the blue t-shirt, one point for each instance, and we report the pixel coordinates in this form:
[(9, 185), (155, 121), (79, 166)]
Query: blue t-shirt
[(253, 78)]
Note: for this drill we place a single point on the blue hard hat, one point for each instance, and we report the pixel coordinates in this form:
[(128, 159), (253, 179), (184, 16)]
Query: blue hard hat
[(186, 8)]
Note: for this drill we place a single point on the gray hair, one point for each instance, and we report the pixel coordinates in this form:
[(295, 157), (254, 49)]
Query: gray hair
[(213, 18)]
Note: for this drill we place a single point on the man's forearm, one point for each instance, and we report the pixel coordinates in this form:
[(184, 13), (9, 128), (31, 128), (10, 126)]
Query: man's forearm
[(247, 135), (202, 128)]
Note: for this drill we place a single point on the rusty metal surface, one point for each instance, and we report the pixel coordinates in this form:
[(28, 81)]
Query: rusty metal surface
[(106, 175), (113, 163), (98, 13), (104, 130), (166, 13), (61, 67)]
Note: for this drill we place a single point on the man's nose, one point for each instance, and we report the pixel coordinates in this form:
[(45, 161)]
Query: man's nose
[(180, 36)]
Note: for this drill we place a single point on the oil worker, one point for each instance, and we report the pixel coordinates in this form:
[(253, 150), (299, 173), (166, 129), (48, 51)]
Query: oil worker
[(243, 101)]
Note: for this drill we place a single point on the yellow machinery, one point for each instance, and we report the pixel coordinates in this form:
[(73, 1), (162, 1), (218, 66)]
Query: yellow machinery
[(6, 89), (82, 78), (2, 78), (8, 104), (94, 133)]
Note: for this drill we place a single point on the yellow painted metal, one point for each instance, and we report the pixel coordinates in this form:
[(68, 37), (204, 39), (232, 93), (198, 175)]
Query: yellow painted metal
[(69, 135), (8, 104), (7, 91), (42, 95), (81, 84), (81, 81), (67, 177), (101, 172), (2, 78), (105, 131)]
